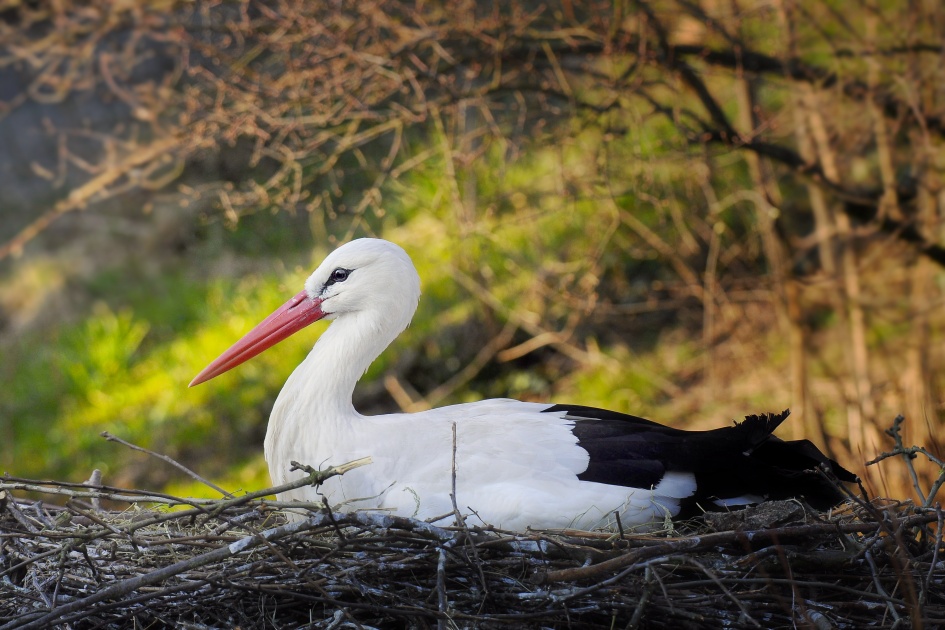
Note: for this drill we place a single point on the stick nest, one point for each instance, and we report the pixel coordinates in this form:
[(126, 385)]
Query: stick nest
[(237, 562)]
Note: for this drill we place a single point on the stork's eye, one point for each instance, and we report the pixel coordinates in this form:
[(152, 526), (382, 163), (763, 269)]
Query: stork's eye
[(338, 275)]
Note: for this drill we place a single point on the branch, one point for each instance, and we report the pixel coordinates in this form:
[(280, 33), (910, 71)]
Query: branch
[(85, 491), (165, 458), (909, 454)]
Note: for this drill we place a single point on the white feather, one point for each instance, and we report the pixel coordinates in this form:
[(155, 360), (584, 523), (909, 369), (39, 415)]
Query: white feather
[(745, 499), (515, 466)]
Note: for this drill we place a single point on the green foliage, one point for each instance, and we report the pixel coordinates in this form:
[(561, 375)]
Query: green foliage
[(126, 372), (536, 234), (550, 233)]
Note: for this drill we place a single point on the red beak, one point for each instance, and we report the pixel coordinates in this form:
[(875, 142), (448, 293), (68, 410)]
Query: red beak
[(289, 318)]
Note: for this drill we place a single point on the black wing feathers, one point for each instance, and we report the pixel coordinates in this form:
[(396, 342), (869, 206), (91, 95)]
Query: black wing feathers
[(744, 459)]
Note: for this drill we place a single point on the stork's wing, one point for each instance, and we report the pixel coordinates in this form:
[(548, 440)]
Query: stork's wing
[(742, 463)]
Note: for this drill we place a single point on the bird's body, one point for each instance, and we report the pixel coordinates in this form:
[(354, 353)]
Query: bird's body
[(516, 464), (518, 472)]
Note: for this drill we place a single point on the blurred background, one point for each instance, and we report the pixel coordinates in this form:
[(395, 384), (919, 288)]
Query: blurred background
[(689, 210)]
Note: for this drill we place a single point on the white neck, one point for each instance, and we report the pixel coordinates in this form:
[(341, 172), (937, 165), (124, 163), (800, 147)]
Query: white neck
[(320, 389), (313, 418), (314, 409)]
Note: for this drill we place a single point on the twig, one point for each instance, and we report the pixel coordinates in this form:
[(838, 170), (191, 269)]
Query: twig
[(456, 513), (461, 522), (932, 565), (164, 458), (933, 491), (909, 454), (712, 576), (442, 600), (95, 479), (895, 432), (334, 523), (879, 586), (644, 598), (125, 495)]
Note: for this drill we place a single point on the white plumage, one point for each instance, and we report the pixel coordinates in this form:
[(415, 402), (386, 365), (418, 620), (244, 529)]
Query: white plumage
[(498, 481), (517, 464)]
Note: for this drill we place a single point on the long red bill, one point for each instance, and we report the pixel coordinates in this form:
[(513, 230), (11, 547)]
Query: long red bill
[(289, 318)]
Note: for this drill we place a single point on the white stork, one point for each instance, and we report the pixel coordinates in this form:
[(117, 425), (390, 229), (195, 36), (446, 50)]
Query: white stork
[(517, 464)]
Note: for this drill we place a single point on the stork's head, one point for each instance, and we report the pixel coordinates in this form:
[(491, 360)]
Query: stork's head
[(366, 274), (369, 277)]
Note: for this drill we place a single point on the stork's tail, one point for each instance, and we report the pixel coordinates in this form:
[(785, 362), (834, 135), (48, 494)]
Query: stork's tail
[(782, 469)]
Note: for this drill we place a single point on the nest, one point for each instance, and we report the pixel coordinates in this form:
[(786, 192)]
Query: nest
[(237, 562)]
